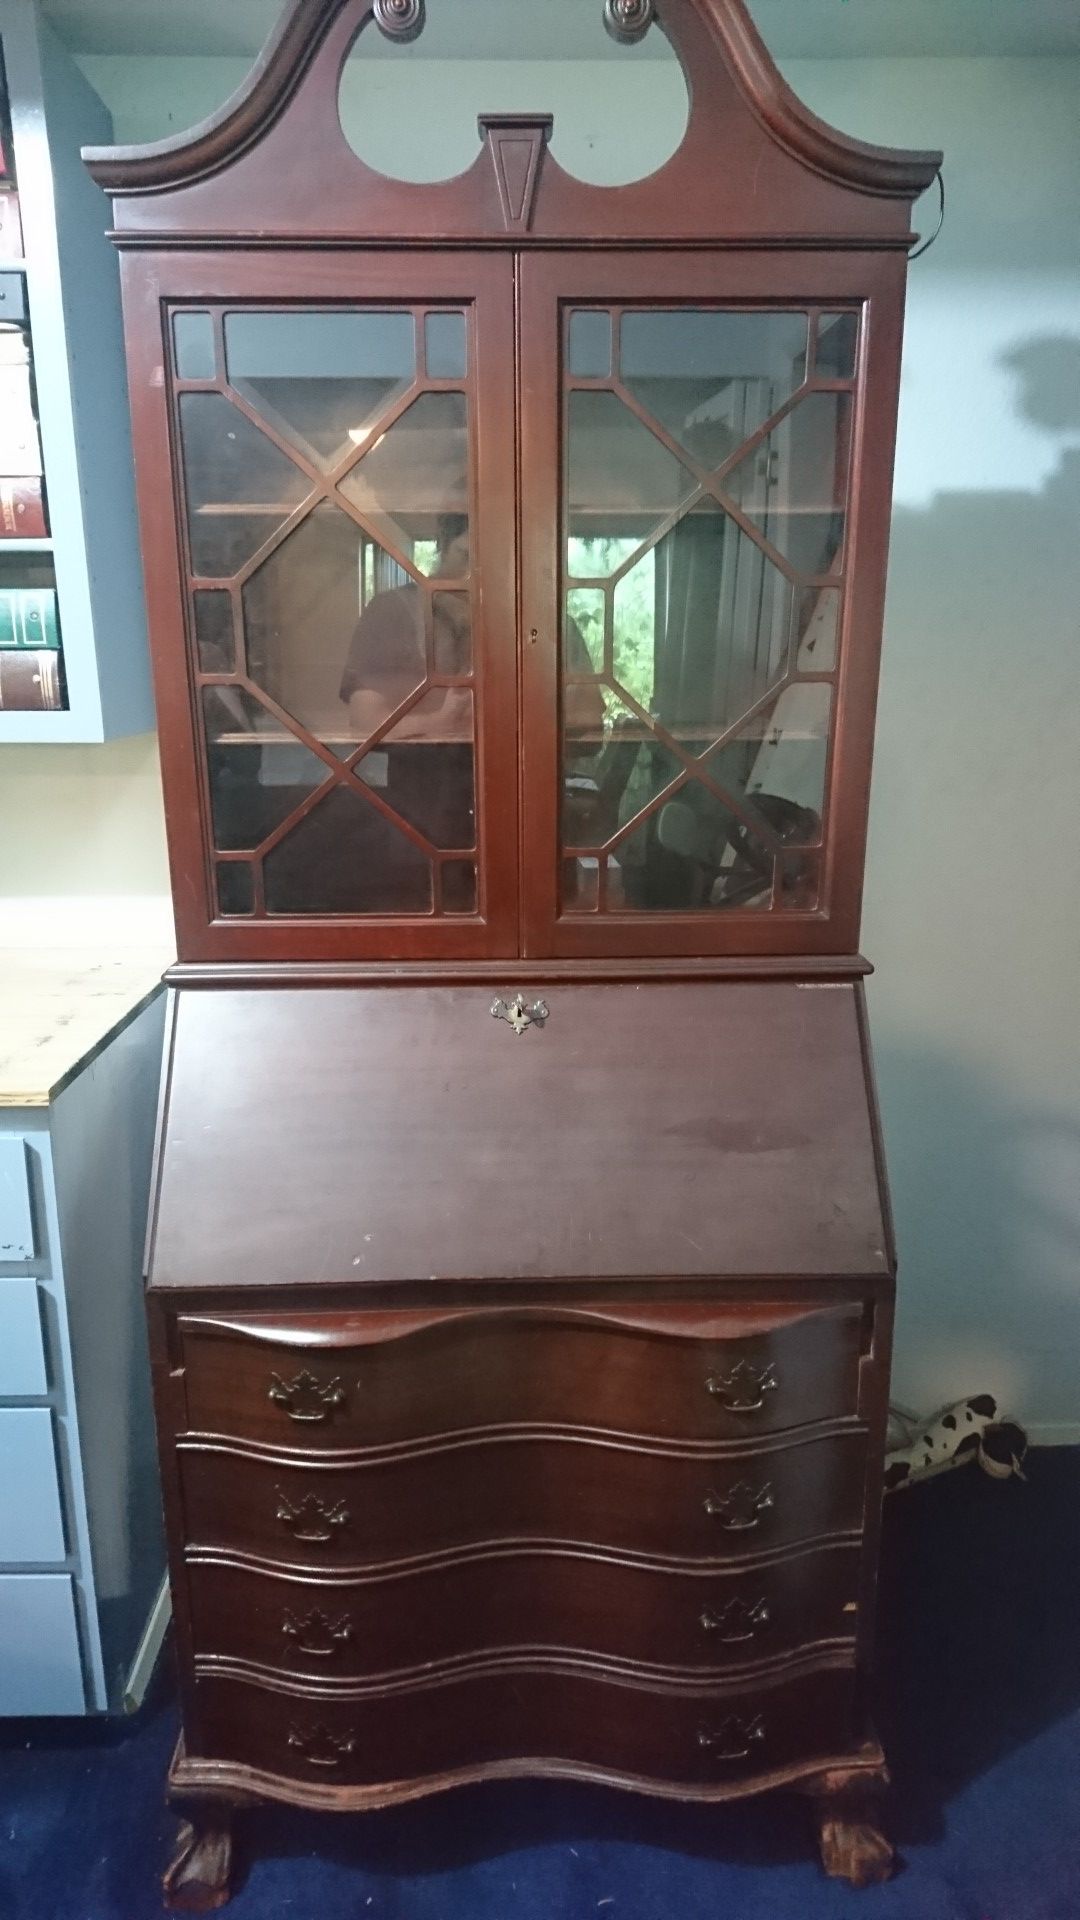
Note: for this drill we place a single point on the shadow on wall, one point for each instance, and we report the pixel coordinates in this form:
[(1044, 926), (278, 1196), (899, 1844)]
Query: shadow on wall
[(974, 908)]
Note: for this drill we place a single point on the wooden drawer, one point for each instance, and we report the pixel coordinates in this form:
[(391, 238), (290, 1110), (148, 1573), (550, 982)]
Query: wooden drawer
[(498, 1601), (438, 1498), (706, 1739), (354, 1379)]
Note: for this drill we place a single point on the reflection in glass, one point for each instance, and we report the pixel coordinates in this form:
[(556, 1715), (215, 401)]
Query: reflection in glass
[(451, 632), (837, 342), (621, 483), (214, 634), (712, 377), (321, 379), (423, 768), (780, 757), (585, 622), (239, 486), (235, 887), (193, 343), (414, 477), (259, 772), (793, 485), (589, 347), (459, 886), (345, 857), (605, 789), (446, 346), (683, 859), (818, 634), (634, 630)]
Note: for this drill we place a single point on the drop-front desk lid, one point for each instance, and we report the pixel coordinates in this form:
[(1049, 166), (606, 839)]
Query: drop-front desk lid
[(403, 1133)]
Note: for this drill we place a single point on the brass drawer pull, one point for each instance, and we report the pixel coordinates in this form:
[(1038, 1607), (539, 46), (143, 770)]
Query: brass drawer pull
[(743, 1390), (317, 1636), (518, 1015), (313, 1520), (736, 1620), (305, 1398), (733, 1739), (321, 1748), (741, 1509)]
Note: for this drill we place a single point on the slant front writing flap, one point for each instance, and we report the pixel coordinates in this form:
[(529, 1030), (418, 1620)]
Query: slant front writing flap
[(721, 1128)]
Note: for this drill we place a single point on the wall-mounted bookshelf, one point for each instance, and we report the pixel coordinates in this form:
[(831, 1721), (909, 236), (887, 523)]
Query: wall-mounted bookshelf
[(73, 656)]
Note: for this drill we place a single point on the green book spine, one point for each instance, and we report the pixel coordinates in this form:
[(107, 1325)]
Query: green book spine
[(28, 617)]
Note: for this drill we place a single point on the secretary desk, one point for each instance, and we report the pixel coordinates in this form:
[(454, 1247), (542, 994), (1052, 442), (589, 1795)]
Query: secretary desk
[(520, 1269)]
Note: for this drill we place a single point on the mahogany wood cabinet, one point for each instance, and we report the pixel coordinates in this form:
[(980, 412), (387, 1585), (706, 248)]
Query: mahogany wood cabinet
[(520, 1270)]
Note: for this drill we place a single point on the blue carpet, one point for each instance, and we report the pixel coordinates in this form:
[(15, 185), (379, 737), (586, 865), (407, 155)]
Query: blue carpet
[(979, 1705)]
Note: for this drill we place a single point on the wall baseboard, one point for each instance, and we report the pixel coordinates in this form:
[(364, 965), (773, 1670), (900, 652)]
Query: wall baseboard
[(147, 1651)]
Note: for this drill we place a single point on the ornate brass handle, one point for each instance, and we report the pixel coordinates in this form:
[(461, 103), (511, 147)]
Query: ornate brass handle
[(733, 1739), (518, 1015), (740, 1509), (305, 1398), (317, 1635), (736, 1620), (743, 1390), (313, 1520), (321, 1748)]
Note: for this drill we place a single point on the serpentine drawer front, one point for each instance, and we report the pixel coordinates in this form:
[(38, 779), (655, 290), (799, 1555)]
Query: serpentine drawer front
[(502, 1599), (411, 1504), (685, 1734), (687, 1372)]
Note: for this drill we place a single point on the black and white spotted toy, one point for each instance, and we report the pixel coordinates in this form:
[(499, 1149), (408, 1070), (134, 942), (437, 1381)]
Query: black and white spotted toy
[(968, 1430)]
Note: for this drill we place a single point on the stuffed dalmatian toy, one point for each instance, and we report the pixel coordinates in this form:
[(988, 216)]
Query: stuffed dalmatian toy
[(968, 1430)]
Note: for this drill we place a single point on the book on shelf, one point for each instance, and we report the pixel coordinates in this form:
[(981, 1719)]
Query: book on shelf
[(11, 235), (28, 621), (31, 682), (20, 446), (22, 508)]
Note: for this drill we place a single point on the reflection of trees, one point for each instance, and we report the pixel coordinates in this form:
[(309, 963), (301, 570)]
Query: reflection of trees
[(635, 611)]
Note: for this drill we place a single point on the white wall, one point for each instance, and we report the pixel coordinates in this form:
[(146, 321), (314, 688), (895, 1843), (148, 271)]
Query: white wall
[(973, 897)]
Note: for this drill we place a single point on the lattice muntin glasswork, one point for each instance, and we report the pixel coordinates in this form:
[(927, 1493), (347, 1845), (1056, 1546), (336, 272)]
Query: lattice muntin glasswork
[(697, 779), (298, 497)]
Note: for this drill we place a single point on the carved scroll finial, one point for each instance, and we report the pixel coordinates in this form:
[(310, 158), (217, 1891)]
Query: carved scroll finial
[(400, 19), (628, 21)]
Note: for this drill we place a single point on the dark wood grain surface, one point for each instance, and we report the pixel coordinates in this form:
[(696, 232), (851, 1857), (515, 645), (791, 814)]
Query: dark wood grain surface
[(437, 1499), (679, 1372), (713, 1618), (690, 1129), (687, 1733)]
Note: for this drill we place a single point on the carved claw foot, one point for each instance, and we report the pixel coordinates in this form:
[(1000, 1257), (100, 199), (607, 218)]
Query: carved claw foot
[(846, 1812), (199, 1876)]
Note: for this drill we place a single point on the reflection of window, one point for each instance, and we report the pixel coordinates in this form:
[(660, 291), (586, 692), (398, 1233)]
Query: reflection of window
[(634, 614)]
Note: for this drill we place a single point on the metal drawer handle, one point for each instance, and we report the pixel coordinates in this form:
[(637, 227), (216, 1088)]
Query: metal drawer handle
[(733, 1739), (305, 1398), (737, 1620), (321, 1748), (740, 1510), (313, 1520), (518, 1015), (316, 1635), (743, 1390)]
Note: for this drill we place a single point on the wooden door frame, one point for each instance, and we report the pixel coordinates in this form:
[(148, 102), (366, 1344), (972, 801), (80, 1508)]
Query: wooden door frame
[(155, 282), (664, 277)]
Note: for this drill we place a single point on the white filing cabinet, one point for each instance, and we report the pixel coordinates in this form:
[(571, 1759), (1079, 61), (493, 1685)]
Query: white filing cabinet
[(81, 1556)]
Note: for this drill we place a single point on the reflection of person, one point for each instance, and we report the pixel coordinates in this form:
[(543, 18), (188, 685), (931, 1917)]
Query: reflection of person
[(386, 657)]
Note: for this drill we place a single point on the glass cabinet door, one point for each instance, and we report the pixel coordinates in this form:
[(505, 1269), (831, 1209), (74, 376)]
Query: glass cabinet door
[(345, 467), (698, 457)]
